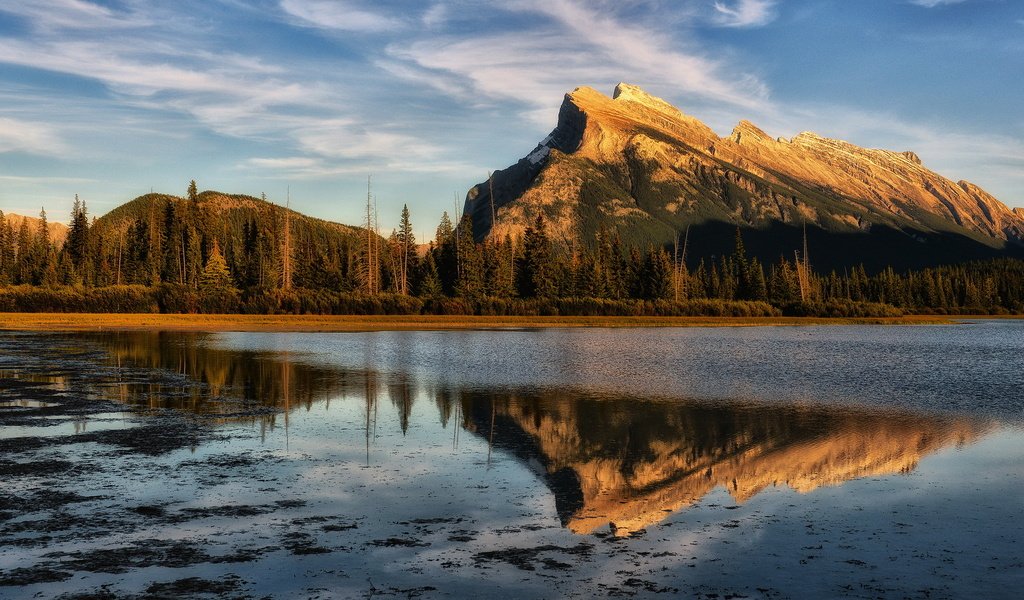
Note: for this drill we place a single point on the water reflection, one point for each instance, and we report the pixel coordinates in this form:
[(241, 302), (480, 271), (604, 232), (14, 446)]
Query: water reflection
[(186, 371), (628, 462)]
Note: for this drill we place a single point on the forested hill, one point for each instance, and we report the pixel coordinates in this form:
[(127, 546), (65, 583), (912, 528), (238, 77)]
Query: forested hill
[(164, 238)]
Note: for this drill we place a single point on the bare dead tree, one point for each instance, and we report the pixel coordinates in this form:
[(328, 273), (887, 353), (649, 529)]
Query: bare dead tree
[(490, 193), (679, 266), (803, 270), (370, 268), (286, 244)]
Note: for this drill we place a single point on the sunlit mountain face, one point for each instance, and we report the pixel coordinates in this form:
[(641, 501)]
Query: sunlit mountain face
[(636, 165)]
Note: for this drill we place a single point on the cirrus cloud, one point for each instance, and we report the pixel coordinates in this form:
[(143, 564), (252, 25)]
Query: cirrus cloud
[(30, 137), (744, 13)]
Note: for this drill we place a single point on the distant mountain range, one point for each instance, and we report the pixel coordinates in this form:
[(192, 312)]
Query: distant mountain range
[(58, 231), (637, 165)]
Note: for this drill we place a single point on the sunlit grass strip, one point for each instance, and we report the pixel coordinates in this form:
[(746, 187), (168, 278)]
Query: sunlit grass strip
[(308, 323)]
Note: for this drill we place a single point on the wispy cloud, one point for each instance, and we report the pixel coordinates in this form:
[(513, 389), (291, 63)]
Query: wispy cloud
[(30, 137), (96, 60), (934, 3), (455, 87), (340, 15), (348, 138), (744, 13), (45, 180), (579, 43), (435, 16), (71, 14)]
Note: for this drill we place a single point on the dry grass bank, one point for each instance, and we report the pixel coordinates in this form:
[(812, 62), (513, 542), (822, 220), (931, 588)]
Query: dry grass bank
[(174, 322)]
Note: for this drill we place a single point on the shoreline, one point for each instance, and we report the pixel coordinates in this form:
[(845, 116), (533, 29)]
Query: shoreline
[(357, 323)]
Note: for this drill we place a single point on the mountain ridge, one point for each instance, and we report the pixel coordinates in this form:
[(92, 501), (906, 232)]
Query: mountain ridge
[(58, 231), (636, 164)]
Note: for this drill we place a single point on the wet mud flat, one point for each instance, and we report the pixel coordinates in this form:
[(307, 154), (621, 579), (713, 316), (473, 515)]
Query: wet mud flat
[(100, 499)]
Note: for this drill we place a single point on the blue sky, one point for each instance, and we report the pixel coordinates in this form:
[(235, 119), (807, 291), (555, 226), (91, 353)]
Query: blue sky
[(112, 98)]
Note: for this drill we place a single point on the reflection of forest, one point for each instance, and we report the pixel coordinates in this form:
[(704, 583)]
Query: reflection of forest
[(628, 461), (192, 374), (632, 462), (187, 371)]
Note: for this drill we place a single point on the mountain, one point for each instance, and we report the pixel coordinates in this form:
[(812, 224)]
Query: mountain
[(58, 231), (224, 214), (169, 239), (635, 164)]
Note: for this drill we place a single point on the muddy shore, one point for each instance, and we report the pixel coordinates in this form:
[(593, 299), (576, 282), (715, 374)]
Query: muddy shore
[(304, 323)]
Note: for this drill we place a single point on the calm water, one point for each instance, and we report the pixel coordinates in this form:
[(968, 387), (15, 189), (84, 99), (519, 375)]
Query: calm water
[(774, 462)]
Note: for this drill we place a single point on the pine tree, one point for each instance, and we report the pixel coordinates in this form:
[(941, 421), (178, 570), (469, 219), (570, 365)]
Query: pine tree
[(499, 269), (471, 271), (430, 279), (7, 254), (193, 192), (536, 267), (77, 241), (216, 286), (23, 265), (757, 287), (49, 276), (445, 255), (657, 275), (407, 251), (193, 256), (38, 257)]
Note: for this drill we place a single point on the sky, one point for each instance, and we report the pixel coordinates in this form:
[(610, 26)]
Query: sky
[(111, 99)]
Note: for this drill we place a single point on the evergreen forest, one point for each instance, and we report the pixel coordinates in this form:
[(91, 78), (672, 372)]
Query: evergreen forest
[(211, 253)]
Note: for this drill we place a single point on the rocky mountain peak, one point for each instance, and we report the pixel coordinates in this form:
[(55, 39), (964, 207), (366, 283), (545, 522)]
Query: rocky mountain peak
[(746, 132), (912, 157), (625, 92)]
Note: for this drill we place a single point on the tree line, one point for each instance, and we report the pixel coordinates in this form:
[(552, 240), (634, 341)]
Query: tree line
[(178, 259)]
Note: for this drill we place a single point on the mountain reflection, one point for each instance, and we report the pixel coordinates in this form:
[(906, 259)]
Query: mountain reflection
[(626, 461), (632, 462)]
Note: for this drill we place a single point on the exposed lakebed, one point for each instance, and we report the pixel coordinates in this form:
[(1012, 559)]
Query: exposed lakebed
[(762, 462)]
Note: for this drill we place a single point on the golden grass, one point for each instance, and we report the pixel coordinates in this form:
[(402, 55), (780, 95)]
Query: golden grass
[(308, 323)]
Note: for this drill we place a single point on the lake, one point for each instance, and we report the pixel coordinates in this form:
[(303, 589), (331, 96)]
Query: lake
[(762, 462)]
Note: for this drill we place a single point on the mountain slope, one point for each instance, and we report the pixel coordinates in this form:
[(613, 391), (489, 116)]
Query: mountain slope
[(225, 214), (170, 239), (635, 164), (58, 231), (224, 217)]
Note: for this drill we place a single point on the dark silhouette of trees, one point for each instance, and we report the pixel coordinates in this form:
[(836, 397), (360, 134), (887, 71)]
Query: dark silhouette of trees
[(536, 265)]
